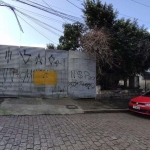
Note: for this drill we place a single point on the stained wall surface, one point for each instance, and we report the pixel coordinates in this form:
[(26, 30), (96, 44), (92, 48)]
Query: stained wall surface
[(36, 72)]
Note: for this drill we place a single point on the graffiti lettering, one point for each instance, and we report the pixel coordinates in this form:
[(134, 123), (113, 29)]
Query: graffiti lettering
[(81, 75), (8, 55), (52, 61), (8, 74), (38, 59), (73, 75), (25, 57), (76, 84), (26, 76)]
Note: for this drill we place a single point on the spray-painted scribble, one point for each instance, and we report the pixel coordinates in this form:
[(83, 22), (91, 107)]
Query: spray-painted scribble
[(81, 75), (77, 84), (26, 76), (53, 61), (8, 55), (7, 74), (25, 56), (38, 59)]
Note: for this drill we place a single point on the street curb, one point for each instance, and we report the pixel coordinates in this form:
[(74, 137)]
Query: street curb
[(106, 111)]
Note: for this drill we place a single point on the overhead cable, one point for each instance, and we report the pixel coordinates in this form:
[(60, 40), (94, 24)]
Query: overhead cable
[(36, 29)]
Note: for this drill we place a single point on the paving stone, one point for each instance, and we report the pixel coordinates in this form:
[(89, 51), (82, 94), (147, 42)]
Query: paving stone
[(2, 147), (105, 131)]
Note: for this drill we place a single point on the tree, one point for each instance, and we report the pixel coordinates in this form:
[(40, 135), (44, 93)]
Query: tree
[(97, 15), (51, 46), (132, 43), (96, 43), (71, 38)]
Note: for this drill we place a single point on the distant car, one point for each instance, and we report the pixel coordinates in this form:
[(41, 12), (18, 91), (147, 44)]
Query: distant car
[(141, 104)]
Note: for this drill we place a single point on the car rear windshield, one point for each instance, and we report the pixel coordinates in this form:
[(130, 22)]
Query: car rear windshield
[(147, 94)]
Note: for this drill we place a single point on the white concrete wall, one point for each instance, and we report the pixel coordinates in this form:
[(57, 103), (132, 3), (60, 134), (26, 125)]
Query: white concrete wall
[(82, 75), (36, 72), (9, 67), (57, 60), (30, 60)]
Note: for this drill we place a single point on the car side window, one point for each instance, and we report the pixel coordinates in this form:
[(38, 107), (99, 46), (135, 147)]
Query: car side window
[(147, 94)]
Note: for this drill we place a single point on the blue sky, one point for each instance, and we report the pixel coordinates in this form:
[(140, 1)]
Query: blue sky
[(11, 34)]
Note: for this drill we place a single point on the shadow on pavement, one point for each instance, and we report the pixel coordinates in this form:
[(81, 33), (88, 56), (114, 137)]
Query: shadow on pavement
[(88, 104), (139, 115)]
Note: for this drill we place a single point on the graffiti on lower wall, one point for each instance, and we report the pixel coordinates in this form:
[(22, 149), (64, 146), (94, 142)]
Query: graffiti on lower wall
[(82, 73)]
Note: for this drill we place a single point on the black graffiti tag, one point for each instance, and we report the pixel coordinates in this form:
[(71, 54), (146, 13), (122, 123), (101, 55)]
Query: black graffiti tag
[(8, 55), (38, 59), (82, 75), (25, 57), (26, 76), (8, 74), (76, 84), (53, 61)]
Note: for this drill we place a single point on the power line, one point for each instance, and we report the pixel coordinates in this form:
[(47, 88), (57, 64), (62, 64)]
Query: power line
[(80, 1), (51, 11), (36, 29), (43, 24), (140, 3), (63, 9), (134, 18), (74, 5), (43, 16)]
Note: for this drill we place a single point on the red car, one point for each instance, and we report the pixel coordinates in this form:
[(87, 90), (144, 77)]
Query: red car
[(141, 104)]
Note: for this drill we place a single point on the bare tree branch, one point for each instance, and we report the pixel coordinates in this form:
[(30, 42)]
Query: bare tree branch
[(96, 43)]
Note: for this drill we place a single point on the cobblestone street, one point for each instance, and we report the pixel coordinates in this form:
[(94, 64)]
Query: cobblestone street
[(105, 131)]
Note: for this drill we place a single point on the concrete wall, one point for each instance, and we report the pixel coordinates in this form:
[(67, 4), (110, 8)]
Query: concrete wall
[(36, 72), (9, 67), (82, 75)]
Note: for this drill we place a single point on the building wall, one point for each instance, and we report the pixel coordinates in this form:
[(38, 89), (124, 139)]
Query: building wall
[(142, 83), (36, 72)]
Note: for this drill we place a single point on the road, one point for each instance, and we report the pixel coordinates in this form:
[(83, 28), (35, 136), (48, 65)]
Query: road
[(103, 131)]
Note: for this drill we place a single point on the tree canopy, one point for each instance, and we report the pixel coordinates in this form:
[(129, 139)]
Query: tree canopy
[(50, 46), (71, 38), (97, 15)]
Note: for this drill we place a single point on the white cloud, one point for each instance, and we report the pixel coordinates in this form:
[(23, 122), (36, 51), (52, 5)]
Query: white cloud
[(5, 39)]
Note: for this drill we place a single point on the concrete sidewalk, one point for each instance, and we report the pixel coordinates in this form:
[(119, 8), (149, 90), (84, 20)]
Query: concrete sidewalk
[(36, 106), (103, 105)]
